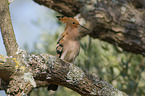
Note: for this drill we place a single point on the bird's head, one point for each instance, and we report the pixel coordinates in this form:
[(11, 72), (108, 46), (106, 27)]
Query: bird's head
[(71, 22)]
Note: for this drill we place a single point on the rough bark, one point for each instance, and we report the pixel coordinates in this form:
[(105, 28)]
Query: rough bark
[(44, 69), (22, 71), (7, 29), (120, 22)]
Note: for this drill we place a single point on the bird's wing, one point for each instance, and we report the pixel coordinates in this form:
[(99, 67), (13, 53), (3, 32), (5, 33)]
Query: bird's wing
[(59, 50), (59, 46), (61, 39)]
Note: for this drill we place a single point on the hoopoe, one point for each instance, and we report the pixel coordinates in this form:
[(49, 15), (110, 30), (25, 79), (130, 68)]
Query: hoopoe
[(68, 45)]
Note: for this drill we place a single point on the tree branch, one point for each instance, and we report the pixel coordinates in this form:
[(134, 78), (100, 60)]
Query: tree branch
[(49, 69), (7, 29), (27, 71), (117, 22)]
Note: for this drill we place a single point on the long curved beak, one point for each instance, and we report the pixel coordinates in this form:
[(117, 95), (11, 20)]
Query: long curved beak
[(86, 28)]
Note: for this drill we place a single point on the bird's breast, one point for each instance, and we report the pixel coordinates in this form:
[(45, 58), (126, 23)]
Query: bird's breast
[(70, 51)]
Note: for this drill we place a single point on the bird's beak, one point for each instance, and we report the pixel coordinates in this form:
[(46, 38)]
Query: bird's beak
[(86, 28)]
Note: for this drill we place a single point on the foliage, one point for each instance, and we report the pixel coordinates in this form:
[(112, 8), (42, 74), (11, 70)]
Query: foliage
[(123, 70)]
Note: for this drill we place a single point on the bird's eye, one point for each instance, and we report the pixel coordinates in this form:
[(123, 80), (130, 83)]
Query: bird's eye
[(73, 22)]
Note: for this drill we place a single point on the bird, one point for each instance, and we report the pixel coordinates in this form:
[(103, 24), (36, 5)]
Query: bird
[(68, 45)]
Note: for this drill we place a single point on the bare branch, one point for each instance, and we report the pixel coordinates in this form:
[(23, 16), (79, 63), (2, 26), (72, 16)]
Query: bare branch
[(49, 69), (7, 29)]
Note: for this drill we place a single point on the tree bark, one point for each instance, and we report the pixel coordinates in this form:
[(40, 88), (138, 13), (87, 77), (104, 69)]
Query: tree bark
[(120, 22), (23, 72), (44, 69), (7, 29)]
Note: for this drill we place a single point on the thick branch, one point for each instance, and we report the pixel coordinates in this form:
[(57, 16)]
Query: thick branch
[(117, 22), (7, 29), (71, 9), (49, 69)]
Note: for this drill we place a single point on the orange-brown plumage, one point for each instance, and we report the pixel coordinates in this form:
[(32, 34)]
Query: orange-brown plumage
[(68, 45)]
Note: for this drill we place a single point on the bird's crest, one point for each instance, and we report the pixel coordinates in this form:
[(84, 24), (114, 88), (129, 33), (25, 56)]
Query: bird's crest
[(71, 22), (68, 20)]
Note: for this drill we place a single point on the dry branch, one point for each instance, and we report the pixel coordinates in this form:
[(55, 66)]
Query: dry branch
[(7, 29), (49, 69), (22, 71)]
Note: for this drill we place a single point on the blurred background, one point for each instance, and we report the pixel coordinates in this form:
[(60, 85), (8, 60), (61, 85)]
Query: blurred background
[(37, 29)]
